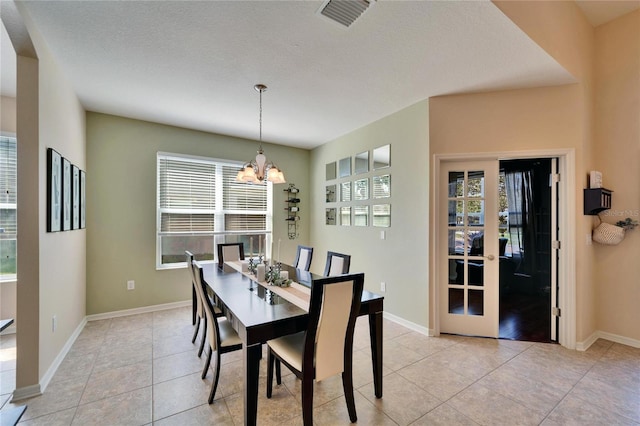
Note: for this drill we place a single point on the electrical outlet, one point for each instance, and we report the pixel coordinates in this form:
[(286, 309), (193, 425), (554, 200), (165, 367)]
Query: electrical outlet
[(383, 286), (54, 323), (383, 235), (131, 285)]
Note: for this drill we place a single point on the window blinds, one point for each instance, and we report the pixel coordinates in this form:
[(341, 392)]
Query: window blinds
[(198, 196)]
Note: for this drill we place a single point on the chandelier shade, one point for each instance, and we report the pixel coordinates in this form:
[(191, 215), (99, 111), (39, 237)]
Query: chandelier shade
[(259, 170)]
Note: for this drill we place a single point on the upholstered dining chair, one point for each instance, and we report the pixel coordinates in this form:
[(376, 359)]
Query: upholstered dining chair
[(326, 347), (337, 264), (199, 308), (220, 334), (303, 258), (229, 252)]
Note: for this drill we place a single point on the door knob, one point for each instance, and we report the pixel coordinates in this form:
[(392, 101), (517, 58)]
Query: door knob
[(490, 257)]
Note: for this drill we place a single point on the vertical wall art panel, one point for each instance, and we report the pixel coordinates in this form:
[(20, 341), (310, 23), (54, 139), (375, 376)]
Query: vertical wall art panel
[(83, 199), (66, 195), (54, 191), (75, 199)]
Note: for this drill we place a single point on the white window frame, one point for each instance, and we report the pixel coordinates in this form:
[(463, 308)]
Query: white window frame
[(219, 212)]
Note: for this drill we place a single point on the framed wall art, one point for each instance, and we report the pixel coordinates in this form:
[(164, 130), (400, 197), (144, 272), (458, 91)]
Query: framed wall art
[(83, 199), (54, 191), (66, 195), (75, 199)]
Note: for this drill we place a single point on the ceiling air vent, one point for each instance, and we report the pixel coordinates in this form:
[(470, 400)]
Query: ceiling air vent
[(345, 12)]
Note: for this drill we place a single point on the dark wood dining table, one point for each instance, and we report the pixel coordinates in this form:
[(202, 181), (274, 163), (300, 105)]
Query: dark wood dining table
[(259, 315)]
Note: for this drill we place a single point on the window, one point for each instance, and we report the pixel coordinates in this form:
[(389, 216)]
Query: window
[(8, 212), (200, 205)]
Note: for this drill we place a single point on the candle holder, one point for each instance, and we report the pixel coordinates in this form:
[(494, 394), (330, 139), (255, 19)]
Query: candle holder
[(273, 276)]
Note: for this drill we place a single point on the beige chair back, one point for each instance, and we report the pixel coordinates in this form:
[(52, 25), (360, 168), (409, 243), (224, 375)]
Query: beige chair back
[(304, 258), (230, 253), (199, 307), (332, 329), (337, 264), (212, 323)]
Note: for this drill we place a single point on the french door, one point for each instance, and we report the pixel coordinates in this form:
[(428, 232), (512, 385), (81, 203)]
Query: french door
[(468, 248)]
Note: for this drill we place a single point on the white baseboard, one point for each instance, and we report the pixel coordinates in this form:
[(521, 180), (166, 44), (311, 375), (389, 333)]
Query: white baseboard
[(44, 382), (135, 311), (410, 325), (37, 389), (585, 344), (26, 392)]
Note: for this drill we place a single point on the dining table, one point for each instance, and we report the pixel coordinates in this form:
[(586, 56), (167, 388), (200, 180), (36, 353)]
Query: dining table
[(260, 312)]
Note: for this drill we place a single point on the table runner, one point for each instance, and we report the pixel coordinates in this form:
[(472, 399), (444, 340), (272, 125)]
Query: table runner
[(296, 293)]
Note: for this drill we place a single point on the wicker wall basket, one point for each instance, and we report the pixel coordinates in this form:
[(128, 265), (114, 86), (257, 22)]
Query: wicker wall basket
[(608, 234)]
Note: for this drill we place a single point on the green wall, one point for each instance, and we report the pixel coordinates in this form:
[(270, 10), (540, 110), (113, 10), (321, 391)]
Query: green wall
[(121, 206), (401, 259)]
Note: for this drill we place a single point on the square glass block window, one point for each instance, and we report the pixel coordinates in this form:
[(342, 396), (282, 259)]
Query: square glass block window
[(381, 215), (345, 191), (360, 215), (345, 216), (361, 189), (331, 171), (330, 216), (361, 163), (344, 167), (331, 194), (382, 186)]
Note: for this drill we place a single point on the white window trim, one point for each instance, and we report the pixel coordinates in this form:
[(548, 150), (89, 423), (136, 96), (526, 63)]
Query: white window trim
[(217, 212)]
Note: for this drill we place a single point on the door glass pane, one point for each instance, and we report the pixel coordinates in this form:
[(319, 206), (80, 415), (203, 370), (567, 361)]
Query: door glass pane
[(456, 301), (476, 302), (456, 271), (475, 270), (475, 239), (456, 212), (475, 212), (456, 242), (456, 184), (476, 184)]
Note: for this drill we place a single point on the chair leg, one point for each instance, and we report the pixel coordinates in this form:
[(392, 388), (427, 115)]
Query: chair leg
[(216, 376), (204, 337), (270, 362), (347, 385), (307, 400), (195, 332), (207, 363), (278, 372)]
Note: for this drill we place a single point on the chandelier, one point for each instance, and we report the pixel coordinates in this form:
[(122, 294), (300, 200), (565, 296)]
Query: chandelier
[(260, 170)]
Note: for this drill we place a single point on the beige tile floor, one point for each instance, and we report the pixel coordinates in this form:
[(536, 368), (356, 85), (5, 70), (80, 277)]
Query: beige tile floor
[(143, 369)]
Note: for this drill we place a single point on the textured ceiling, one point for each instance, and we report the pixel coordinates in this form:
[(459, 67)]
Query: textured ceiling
[(194, 64)]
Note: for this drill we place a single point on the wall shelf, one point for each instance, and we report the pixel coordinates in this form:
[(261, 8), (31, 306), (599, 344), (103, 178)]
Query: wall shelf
[(596, 200), (293, 199)]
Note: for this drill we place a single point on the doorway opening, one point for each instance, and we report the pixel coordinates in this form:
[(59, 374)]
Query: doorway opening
[(527, 229)]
